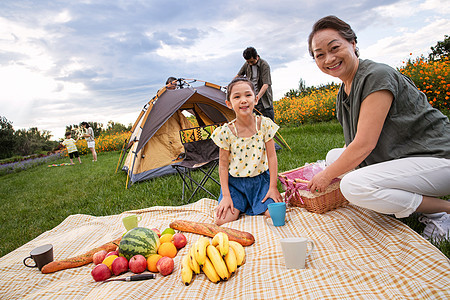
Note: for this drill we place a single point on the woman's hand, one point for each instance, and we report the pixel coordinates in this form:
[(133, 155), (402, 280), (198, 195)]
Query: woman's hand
[(274, 194), (225, 204), (319, 182)]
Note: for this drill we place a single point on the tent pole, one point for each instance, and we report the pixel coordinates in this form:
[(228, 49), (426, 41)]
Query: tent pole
[(282, 141), (121, 156), (132, 168)]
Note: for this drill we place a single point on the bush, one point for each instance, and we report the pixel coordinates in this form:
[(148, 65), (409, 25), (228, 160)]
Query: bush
[(104, 143), (317, 106), (432, 77)]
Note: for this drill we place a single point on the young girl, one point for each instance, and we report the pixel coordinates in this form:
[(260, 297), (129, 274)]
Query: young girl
[(248, 164)]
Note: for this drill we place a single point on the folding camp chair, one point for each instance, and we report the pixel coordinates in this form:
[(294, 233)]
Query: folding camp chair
[(200, 153)]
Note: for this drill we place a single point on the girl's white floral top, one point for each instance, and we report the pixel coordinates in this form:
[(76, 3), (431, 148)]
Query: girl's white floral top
[(248, 156)]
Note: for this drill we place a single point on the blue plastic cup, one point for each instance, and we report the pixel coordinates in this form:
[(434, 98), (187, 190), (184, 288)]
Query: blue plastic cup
[(277, 213)]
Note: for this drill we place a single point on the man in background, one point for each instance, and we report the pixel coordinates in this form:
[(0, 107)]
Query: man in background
[(258, 71)]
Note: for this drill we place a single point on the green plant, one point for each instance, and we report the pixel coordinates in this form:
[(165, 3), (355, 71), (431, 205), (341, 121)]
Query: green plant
[(432, 77), (317, 105), (441, 49)]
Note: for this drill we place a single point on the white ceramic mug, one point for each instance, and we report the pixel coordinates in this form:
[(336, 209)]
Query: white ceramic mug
[(295, 251)]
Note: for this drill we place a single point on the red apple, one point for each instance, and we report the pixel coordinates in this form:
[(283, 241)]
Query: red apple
[(165, 265), (179, 240), (157, 231), (115, 252), (137, 264), (119, 265), (99, 256), (100, 272)]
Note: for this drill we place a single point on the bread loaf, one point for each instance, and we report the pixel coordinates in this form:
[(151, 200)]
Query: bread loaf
[(242, 237), (79, 260)]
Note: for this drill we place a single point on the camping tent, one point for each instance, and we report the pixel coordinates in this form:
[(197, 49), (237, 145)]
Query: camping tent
[(155, 145)]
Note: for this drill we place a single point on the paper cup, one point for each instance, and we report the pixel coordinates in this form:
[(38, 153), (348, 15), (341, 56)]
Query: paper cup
[(277, 213)]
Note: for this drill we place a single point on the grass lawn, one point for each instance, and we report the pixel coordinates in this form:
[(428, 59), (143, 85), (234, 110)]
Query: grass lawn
[(40, 198)]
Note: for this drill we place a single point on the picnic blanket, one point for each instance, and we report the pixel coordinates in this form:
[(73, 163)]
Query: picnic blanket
[(359, 254)]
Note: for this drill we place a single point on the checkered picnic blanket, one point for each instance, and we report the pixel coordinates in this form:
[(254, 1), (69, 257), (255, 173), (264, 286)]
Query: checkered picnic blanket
[(359, 254)]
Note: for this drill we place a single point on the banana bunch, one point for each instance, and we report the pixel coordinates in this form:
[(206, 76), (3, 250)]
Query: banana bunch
[(218, 258)]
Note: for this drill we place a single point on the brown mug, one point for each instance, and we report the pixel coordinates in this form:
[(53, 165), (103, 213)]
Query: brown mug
[(41, 255)]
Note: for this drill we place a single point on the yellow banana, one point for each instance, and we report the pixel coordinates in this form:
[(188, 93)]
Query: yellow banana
[(200, 250), (230, 261), (209, 271), (186, 271), (221, 239), (194, 265), (217, 261), (239, 251)]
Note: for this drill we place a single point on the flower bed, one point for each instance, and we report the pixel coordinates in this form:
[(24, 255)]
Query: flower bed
[(25, 164)]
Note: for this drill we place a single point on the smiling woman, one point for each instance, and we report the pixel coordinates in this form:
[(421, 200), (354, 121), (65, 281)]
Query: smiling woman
[(397, 152)]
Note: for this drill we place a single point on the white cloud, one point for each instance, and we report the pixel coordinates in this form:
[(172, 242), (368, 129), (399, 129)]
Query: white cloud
[(100, 60), (395, 49), (439, 6)]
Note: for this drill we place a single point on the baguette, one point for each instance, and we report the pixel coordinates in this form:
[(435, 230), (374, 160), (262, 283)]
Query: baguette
[(242, 237), (79, 260)]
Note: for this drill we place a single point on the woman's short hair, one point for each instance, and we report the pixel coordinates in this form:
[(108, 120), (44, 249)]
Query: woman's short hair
[(333, 22)]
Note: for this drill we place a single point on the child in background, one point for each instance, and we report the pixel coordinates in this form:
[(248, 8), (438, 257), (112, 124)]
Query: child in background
[(69, 143), (248, 165)]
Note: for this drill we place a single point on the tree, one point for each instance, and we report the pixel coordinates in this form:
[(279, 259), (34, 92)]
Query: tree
[(7, 140), (304, 90), (114, 127), (32, 141), (442, 49)]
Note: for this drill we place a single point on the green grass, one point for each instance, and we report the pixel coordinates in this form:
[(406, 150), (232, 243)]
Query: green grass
[(38, 199)]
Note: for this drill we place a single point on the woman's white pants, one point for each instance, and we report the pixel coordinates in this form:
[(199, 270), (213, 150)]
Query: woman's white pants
[(396, 186)]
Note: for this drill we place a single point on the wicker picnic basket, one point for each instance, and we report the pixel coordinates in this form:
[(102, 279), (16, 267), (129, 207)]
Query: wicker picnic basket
[(296, 193)]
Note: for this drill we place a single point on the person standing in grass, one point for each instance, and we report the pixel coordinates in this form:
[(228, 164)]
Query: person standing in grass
[(248, 166), (89, 136), (397, 145), (69, 143), (257, 70)]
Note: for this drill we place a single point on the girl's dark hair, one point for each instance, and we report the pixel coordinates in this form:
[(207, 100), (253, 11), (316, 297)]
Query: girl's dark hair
[(333, 22), (237, 80), (86, 124)]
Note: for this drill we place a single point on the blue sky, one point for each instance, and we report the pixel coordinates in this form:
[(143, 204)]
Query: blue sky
[(63, 62)]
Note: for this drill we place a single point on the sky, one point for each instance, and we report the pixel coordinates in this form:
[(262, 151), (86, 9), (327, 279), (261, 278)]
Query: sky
[(64, 62)]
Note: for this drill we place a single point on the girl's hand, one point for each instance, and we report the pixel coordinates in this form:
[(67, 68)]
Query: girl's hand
[(319, 182), (274, 194), (225, 204)]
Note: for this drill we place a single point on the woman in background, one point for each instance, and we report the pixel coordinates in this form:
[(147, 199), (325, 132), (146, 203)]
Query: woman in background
[(89, 136)]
